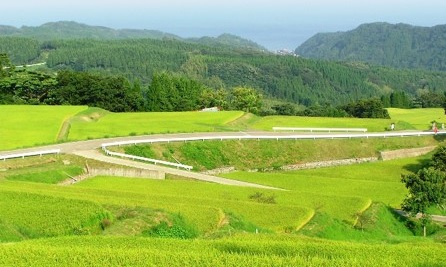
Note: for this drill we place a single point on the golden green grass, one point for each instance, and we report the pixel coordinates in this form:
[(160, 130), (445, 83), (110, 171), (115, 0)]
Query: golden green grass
[(124, 124), (26, 126), (420, 119), (372, 125), (240, 250), (404, 119)]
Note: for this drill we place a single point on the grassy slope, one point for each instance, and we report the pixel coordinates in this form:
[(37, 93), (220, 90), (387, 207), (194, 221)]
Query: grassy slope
[(253, 154), (24, 126)]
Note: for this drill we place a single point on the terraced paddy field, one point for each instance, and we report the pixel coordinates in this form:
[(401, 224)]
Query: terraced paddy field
[(99, 124), (124, 221), (404, 119), (25, 126), (334, 216), (240, 250), (420, 119)]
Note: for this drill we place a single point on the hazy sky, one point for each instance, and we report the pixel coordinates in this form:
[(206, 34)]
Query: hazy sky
[(274, 24)]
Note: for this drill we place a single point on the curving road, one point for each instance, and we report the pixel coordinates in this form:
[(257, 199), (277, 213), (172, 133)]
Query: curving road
[(88, 149)]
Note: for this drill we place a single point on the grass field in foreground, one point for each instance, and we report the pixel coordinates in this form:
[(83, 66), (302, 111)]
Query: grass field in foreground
[(24, 126), (124, 124), (220, 214), (241, 250)]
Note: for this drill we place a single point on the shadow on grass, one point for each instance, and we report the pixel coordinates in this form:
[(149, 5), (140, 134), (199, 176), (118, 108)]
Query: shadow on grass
[(421, 163), (398, 216)]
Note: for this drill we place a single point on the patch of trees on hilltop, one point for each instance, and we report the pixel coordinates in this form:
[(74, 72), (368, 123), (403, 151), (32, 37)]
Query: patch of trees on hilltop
[(394, 45)]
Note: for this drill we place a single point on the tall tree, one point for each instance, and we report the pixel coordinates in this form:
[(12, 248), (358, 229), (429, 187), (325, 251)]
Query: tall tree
[(246, 99), (6, 68), (426, 188)]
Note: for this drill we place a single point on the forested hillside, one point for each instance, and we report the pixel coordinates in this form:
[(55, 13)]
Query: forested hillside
[(399, 46), (73, 30), (294, 79), (220, 67)]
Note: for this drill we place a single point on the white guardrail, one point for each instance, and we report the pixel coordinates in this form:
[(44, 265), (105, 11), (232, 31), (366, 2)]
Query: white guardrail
[(293, 129), (154, 161), (247, 137), (29, 154)]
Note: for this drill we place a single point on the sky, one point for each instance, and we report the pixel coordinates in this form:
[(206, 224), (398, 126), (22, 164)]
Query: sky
[(276, 24)]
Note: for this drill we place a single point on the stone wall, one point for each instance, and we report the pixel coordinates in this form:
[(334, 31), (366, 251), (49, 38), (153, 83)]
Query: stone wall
[(329, 163)]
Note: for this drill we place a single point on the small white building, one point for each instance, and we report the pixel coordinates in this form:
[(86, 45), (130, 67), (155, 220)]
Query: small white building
[(213, 109)]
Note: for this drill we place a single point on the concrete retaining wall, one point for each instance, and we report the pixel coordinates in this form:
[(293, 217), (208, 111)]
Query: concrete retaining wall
[(406, 153), (135, 173)]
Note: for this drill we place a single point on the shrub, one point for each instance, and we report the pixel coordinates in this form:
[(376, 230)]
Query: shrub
[(262, 198), (178, 228)]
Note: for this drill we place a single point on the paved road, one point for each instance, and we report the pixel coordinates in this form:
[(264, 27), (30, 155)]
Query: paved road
[(86, 148), (71, 147), (436, 218)]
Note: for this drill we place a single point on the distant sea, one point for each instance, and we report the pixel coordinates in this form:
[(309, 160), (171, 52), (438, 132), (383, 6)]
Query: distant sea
[(272, 38), (277, 39)]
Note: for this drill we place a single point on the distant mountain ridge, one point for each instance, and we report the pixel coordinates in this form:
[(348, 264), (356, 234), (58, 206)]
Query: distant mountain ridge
[(74, 30), (394, 45)]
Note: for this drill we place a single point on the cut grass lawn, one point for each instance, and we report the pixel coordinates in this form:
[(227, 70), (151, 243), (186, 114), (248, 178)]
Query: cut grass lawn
[(25, 126), (125, 124)]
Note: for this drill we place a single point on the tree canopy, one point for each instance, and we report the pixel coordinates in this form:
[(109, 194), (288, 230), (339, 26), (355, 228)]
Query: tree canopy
[(292, 79), (426, 188), (394, 45)]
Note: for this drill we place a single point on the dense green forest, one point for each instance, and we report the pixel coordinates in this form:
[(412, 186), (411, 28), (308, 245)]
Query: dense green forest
[(73, 30), (166, 92), (394, 45), (297, 80), (220, 68)]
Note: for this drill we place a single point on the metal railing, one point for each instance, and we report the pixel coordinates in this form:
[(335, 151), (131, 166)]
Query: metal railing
[(29, 154), (154, 161), (248, 137), (293, 129)]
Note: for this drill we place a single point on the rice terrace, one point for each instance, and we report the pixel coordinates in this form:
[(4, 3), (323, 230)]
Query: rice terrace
[(318, 203)]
